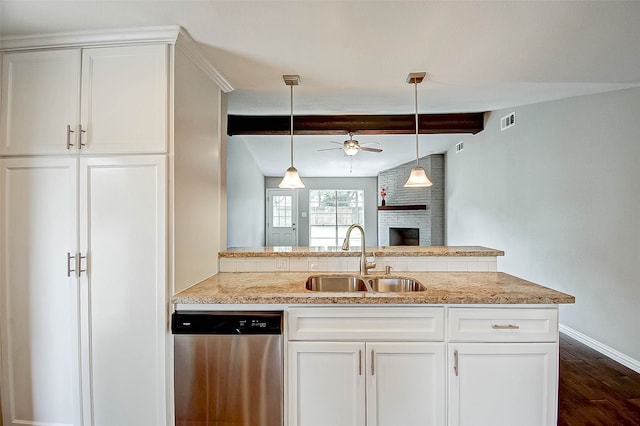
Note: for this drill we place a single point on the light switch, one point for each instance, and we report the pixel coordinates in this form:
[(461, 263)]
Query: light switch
[(303, 214)]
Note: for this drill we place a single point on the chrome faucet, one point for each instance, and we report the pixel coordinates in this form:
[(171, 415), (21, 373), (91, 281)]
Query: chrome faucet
[(364, 265)]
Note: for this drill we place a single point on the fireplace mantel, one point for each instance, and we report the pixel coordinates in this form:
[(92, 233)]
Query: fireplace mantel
[(405, 207)]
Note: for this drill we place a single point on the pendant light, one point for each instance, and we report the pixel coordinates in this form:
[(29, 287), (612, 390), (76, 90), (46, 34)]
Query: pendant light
[(418, 177), (291, 178)]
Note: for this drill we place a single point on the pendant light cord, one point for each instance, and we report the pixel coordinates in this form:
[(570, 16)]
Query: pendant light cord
[(415, 87), (291, 86)]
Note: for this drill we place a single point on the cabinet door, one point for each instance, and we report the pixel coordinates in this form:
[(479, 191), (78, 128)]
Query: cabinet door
[(124, 99), (39, 301), (326, 384), (122, 235), (503, 384), (405, 384), (40, 98)]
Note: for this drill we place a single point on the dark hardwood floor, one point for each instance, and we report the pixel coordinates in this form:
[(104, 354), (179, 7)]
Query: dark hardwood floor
[(595, 390)]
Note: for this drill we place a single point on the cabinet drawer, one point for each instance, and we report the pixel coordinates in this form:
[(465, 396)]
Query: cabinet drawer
[(397, 323), (503, 325)]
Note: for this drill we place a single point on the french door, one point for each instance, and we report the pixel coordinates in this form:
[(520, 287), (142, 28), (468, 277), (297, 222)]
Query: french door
[(282, 215)]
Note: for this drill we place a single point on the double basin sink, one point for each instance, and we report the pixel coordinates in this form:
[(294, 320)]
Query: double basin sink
[(348, 284)]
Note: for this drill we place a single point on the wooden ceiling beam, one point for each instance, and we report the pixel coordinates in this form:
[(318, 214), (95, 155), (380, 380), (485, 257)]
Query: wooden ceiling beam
[(359, 124)]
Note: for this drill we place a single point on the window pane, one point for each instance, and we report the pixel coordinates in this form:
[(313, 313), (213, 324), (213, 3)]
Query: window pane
[(282, 211), (331, 212)]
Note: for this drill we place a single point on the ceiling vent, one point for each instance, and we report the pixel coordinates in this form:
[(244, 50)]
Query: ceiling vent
[(459, 146), (508, 121)]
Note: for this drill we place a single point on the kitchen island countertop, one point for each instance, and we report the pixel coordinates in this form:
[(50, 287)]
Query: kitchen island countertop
[(442, 288), (384, 251)]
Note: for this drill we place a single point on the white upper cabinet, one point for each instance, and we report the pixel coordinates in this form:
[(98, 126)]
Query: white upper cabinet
[(98, 100), (124, 99), (40, 98)]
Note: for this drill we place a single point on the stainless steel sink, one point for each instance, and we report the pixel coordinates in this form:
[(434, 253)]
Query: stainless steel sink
[(395, 285), (336, 283), (348, 284)]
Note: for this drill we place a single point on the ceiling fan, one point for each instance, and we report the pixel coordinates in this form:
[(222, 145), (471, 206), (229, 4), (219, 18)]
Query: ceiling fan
[(352, 146)]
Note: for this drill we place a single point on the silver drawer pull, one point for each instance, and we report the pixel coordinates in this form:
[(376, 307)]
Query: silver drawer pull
[(505, 327)]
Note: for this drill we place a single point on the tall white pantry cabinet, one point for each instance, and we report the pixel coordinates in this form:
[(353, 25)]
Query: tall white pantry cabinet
[(111, 180)]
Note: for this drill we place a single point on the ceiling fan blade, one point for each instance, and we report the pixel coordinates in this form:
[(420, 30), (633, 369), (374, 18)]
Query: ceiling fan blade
[(364, 148), (328, 149)]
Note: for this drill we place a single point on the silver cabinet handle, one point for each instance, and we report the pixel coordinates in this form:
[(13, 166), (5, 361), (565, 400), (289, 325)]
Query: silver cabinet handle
[(373, 358), (69, 131), (80, 270), (505, 327), (359, 362), (455, 362), (81, 133), (69, 270)]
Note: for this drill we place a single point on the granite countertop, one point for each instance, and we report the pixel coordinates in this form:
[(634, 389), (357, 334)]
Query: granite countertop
[(442, 288), (393, 251)]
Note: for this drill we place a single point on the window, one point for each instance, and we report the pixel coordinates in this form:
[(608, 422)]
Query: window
[(331, 212), (282, 211)]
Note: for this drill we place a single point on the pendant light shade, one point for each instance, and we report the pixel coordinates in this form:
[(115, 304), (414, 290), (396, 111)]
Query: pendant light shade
[(291, 179), (418, 177)]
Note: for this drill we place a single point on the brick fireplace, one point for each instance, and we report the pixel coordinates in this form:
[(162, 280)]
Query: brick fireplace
[(420, 208)]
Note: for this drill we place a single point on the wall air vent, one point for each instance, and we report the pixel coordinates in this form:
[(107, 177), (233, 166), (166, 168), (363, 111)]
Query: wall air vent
[(508, 121), (459, 146)]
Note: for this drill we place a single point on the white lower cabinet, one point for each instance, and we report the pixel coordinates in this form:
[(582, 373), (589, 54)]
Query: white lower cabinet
[(503, 366), (326, 384), (502, 384), (405, 383), (352, 366), (366, 383), (39, 300), (123, 206), (83, 290)]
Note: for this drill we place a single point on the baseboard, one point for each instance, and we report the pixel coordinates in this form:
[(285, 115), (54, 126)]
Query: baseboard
[(623, 359)]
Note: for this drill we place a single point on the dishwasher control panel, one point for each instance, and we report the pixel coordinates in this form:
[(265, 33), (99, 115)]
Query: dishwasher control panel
[(197, 322)]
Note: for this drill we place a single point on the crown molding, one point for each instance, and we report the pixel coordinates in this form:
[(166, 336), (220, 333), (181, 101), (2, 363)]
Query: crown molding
[(166, 34), (190, 48)]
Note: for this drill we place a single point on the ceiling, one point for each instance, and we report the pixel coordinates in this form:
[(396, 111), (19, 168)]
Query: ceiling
[(353, 57)]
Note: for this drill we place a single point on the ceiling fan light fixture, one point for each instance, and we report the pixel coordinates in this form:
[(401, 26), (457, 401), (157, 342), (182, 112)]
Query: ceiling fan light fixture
[(291, 179), (418, 177), (350, 149)]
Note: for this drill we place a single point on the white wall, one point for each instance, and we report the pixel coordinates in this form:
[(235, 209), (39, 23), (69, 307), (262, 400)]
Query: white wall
[(560, 194), (367, 184), (245, 197), (198, 187)]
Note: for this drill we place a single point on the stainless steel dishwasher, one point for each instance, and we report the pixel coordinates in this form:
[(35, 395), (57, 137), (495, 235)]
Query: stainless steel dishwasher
[(228, 368)]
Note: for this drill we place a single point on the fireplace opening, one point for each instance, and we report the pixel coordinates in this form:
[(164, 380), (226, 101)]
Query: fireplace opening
[(404, 236)]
